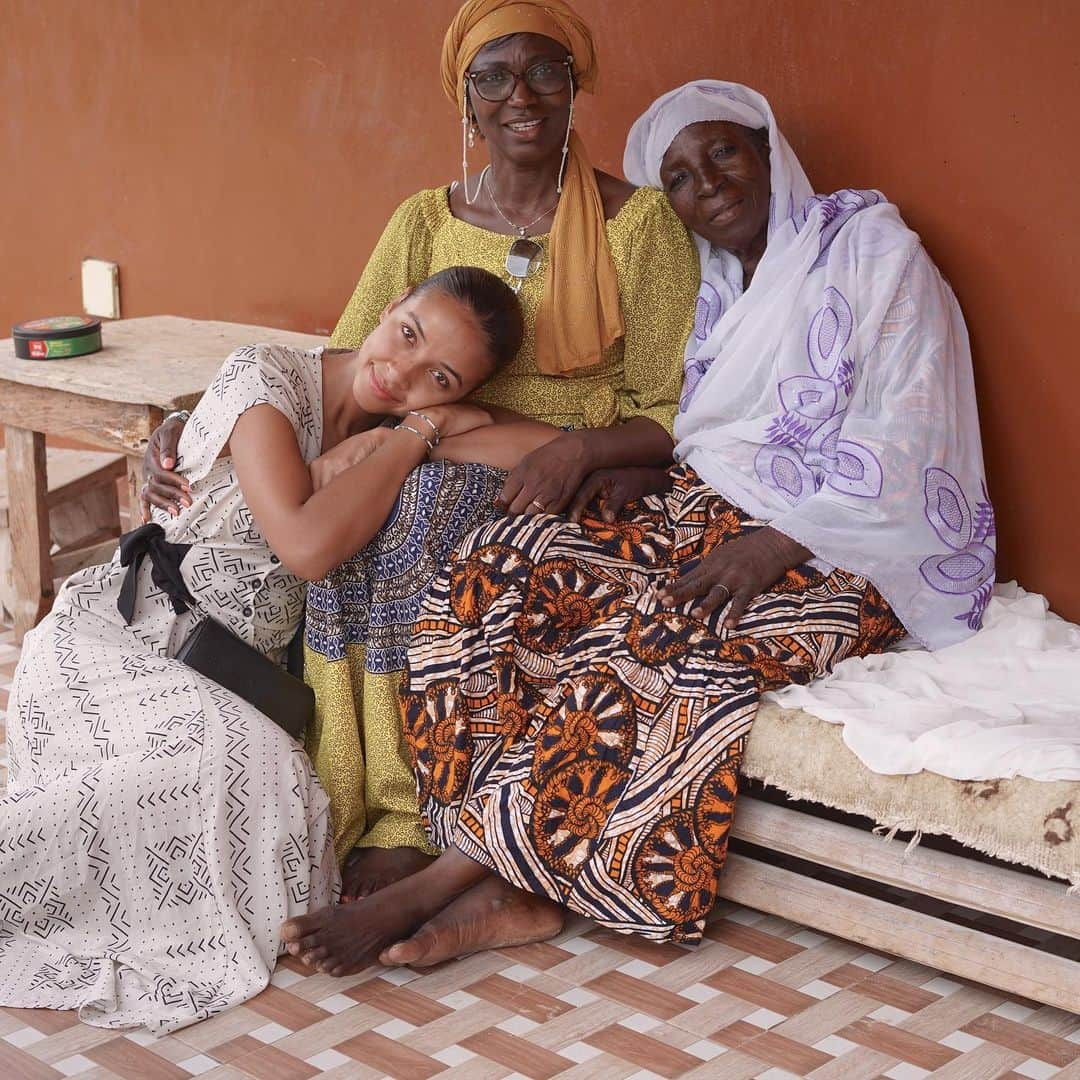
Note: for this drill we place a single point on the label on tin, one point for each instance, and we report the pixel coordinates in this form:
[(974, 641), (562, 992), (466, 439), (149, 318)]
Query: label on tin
[(57, 350), (59, 322)]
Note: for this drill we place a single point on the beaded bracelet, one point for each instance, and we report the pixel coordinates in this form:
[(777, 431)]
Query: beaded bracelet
[(419, 434), (436, 435)]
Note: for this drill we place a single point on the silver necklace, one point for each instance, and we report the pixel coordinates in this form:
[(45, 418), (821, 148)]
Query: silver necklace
[(521, 230)]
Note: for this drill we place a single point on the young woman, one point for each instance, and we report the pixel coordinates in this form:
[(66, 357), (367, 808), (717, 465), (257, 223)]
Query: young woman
[(158, 828)]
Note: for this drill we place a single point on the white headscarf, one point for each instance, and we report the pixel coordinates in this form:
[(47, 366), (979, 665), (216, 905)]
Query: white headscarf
[(835, 397)]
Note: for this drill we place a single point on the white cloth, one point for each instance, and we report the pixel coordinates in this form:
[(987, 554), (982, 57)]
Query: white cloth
[(835, 397), (1004, 703), (157, 829)]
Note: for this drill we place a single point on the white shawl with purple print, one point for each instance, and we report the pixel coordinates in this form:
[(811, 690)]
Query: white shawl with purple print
[(835, 397)]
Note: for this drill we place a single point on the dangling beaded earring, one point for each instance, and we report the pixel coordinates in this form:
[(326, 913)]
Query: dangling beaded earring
[(569, 128), (472, 135), (468, 139)]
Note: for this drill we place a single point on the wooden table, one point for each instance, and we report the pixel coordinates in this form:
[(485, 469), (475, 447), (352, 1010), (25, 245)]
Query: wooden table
[(113, 399)]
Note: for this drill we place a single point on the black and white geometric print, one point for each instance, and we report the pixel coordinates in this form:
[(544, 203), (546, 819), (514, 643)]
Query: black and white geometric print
[(157, 829)]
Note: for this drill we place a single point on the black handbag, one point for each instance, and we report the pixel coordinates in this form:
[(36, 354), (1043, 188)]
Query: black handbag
[(213, 651)]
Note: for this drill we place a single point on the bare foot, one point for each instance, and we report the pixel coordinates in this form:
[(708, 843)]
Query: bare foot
[(367, 870), (491, 915), (347, 938)]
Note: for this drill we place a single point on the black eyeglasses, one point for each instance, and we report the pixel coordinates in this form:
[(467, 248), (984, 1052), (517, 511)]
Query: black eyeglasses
[(547, 77)]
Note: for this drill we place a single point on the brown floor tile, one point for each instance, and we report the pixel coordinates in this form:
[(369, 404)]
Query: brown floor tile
[(900, 995), (524, 1000), (392, 1057), (47, 1021), (652, 952), (413, 1008), (234, 1048), (639, 995), (898, 1043), (786, 1054), (647, 1053), (270, 1063), (518, 1054), (760, 990), (1026, 1039), (846, 975), (134, 1062), (19, 1065), (752, 941), (540, 955), (371, 991), (735, 1035), (286, 1009)]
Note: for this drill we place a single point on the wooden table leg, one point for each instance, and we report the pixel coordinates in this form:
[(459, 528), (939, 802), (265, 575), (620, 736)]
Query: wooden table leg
[(134, 491), (28, 517)]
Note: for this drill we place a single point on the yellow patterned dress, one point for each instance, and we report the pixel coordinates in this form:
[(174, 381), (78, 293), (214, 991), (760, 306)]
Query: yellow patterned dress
[(360, 617)]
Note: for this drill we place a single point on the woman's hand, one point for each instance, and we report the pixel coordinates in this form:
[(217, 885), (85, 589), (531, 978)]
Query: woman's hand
[(546, 480), (612, 489), (451, 420), (345, 455), (737, 571), (164, 488)]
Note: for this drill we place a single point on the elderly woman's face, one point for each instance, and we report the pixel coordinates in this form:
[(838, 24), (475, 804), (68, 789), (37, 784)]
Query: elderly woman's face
[(716, 176), (527, 126)]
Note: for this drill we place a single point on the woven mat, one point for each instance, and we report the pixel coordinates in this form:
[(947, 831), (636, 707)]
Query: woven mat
[(762, 997)]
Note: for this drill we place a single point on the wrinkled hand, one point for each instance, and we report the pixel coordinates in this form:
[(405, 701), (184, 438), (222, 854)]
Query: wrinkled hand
[(546, 480), (612, 489), (451, 420), (345, 455), (164, 488), (737, 571)]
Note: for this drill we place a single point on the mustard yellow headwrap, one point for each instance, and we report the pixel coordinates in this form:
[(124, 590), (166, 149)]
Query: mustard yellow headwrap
[(579, 315)]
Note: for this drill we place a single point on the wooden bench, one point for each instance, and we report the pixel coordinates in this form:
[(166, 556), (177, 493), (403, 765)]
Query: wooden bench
[(942, 905), (84, 514)]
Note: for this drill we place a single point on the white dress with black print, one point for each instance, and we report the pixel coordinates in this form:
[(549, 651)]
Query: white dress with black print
[(157, 829)]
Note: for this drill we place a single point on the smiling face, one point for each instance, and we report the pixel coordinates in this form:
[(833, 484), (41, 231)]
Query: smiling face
[(428, 349), (527, 127), (716, 176)]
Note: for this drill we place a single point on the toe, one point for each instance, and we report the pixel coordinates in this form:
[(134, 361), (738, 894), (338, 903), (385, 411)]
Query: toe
[(410, 951), (301, 926), (313, 956)]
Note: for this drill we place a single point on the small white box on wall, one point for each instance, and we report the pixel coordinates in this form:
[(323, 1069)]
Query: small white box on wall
[(101, 288)]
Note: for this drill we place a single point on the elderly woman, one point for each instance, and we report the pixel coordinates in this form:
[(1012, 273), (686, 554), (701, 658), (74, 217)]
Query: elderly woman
[(607, 278), (578, 695)]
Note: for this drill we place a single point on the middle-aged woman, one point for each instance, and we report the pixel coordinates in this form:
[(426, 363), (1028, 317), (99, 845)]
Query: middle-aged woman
[(607, 278), (578, 695)]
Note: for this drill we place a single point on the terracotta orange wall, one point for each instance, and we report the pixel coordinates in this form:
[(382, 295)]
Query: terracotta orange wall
[(238, 160)]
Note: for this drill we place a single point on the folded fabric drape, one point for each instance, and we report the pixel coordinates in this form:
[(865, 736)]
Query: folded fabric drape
[(579, 315)]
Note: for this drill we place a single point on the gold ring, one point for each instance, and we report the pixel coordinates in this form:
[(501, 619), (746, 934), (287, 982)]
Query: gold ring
[(539, 506)]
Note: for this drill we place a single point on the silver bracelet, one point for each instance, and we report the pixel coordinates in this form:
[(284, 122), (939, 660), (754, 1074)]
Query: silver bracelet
[(183, 415), (419, 434), (436, 435)]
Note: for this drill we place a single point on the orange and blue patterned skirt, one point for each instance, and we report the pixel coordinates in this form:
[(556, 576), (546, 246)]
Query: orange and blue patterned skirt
[(581, 741)]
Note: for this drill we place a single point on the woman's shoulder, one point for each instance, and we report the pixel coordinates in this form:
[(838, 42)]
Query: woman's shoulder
[(646, 207), (614, 193), (429, 208)]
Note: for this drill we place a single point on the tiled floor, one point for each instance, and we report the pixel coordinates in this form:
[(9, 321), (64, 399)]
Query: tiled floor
[(761, 997)]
